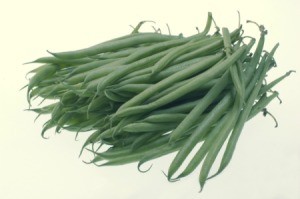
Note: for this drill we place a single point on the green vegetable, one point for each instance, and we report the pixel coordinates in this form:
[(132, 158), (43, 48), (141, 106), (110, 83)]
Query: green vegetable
[(145, 95)]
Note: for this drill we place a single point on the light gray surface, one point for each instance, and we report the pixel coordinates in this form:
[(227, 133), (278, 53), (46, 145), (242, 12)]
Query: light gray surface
[(266, 163)]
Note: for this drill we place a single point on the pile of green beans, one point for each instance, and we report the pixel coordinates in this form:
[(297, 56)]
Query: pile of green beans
[(145, 95)]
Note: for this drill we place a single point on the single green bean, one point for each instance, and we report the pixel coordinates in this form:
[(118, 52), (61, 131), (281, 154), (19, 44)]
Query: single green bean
[(139, 127), (164, 117), (114, 45)]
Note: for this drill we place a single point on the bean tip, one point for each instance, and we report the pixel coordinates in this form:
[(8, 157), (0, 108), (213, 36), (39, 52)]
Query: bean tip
[(200, 190), (28, 62), (87, 162), (51, 53), (76, 136), (291, 71), (46, 138), (143, 171), (23, 87)]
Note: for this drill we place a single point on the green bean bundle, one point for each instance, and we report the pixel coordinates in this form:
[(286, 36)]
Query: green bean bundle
[(146, 95)]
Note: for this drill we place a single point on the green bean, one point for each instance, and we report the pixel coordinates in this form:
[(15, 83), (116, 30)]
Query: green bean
[(114, 45), (118, 141), (200, 155), (185, 107), (126, 69), (101, 71), (48, 125), (37, 69), (141, 79), (134, 157), (214, 140), (181, 108), (69, 98), (44, 110), (145, 95), (89, 66), (97, 103), (136, 29), (118, 129), (146, 73), (57, 112), (206, 50), (50, 81), (206, 29), (148, 51), (177, 146), (97, 72), (213, 151), (133, 59), (130, 78), (45, 72), (117, 54), (178, 67), (212, 155), (48, 92), (254, 79), (115, 96), (148, 78), (132, 88), (225, 130), (159, 153), (139, 127), (89, 140), (192, 117), (166, 91), (91, 87), (211, 73), (164, 61), (155, 48), (76, 79), (267, 87), (261, 104), (62, 62), (144, 139), (245, 57), (256, 57), (244, 115), (198, 134), (181, 75), (127, 150), (235, 74), (62, 121), (82, 124), (164, 117)]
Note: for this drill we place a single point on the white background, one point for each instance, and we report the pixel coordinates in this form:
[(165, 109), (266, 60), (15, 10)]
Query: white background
[(266, 163)]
